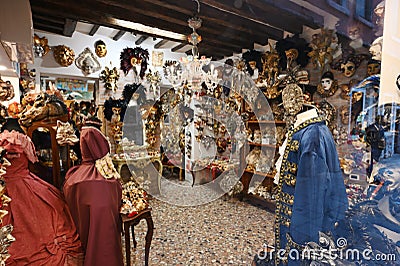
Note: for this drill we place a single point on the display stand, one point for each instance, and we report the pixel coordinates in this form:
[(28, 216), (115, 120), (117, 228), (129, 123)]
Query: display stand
[(130, 223), (51, 125)]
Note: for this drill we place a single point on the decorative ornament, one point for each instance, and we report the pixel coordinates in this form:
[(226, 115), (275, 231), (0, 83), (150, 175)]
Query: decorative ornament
[(87, 62), (323, 45), (270, 73), (65, 134), (355, 34), (293, 99), (40, 46), (157, 58), (346, 88), (6, 90), (349, 62), (373, 67), (376, 49), (100, 48), (110, 78), (344, 114), (328, 85), (252, 59), (328, 112), (63, 55), (131, 57), (154, 79), (380, 13)]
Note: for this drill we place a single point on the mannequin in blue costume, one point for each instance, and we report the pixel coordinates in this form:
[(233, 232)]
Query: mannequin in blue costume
[(311, 193)]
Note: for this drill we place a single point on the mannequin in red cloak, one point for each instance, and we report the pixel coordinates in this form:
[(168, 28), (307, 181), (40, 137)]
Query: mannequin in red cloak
[(93, 194), (43, 227)]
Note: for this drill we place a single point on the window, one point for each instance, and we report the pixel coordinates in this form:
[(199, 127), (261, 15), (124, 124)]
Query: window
[(341, 5), (364, 9)]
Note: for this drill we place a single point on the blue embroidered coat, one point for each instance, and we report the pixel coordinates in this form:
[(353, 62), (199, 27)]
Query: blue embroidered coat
[(311, 192)]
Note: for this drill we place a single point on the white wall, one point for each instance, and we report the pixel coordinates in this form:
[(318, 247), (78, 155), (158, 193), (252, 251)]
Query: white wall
[(79, 41)]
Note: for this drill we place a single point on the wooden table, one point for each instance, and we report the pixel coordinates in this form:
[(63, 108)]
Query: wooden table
[(131, 222)]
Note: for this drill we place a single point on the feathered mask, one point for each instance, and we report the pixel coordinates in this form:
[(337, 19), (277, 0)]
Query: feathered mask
[(134, 56)]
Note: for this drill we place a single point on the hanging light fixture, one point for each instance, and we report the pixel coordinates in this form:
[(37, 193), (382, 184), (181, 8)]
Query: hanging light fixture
[(189, 71)]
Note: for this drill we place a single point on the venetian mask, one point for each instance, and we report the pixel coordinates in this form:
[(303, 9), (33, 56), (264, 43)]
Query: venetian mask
[(328, 85), (40, 46), (293, 100), (6, 90), (349, 68), (376, 49), (373, 68), (110, 78), (101, 49), (344, 114), (354, 32), (87, 62), (63, 55)]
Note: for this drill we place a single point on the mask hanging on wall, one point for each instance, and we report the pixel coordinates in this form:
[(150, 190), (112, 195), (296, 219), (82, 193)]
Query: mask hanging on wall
[(6, 90), (40, 46), (63, 55), (87, 62), (110, 78), (328, 85), (100, 48)]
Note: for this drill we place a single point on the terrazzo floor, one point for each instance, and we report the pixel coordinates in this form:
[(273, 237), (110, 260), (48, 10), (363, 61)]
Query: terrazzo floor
[(222, 232)]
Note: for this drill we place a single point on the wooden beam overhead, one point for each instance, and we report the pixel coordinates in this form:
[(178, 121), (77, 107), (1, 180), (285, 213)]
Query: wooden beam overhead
[(160, 44), (69, 27), (94, 29), (141, 39), (179, 46), (119, 35)]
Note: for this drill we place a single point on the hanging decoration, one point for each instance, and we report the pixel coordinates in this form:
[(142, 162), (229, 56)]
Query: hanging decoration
[(157, 58), (136, 58), (349, 62), (324, 45), (190, 70), (269, 78), (66, 134), (6, 90), (40, 46), (100, 48), (328, 85), (87, 62), (63, 55), (110, 78), (154, 79)]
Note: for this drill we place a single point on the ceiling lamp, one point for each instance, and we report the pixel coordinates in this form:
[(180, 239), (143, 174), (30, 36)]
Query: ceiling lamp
[(189, 71)]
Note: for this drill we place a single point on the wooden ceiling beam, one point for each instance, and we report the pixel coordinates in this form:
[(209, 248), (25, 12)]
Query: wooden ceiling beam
[(226, 38), (94, 29), (69, 27), (118, 35), (141, 39), (217, 19), (41, 17), (180, 46), (160, 44)]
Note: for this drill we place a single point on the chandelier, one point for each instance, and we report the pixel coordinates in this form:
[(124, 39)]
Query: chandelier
[(189, 71)]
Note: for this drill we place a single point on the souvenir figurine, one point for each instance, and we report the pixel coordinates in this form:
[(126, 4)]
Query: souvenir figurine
[(100, 48)]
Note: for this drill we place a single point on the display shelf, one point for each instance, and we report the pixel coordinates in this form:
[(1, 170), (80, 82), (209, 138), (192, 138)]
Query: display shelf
[(262, 145)]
